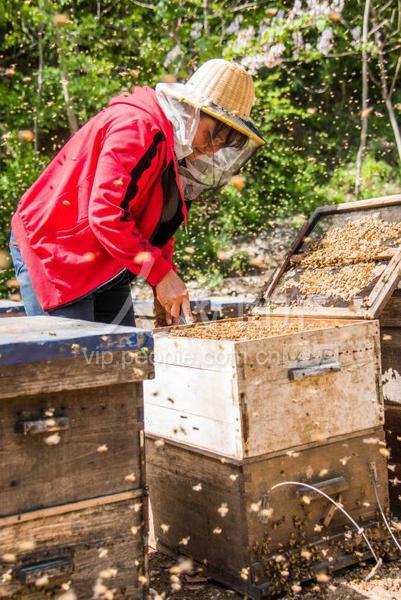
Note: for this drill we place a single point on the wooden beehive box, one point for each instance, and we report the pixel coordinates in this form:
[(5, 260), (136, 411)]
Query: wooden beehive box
[(367, 237), (72, 456), (233, 397), (224, 514)]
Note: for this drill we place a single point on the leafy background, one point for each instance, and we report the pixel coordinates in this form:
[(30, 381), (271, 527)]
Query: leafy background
[(62, 61)]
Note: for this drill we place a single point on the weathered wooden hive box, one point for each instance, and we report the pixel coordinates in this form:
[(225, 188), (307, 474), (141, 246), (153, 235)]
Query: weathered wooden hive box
[(346, 262), (291, 393), (224, 514), (319, 377), (72, 501)]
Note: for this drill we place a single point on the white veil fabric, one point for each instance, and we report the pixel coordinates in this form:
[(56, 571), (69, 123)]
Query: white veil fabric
[(210, 171), (183, 116)]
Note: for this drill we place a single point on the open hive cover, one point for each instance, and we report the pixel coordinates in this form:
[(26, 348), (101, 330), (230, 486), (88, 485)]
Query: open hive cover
[(345, 262)]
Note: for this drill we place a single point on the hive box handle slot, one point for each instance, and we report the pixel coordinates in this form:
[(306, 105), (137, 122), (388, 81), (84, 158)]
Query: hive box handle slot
[(331, 487), (46, 425), (297, 373), (54, 568)]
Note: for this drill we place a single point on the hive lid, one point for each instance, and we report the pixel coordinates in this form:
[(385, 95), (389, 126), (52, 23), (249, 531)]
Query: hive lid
[(345, 262), (31, 339)]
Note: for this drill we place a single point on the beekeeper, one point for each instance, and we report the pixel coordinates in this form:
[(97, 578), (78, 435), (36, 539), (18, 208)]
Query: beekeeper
[(106, 208)]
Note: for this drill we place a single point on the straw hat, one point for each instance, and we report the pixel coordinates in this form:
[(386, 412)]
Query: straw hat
[(225, 91)]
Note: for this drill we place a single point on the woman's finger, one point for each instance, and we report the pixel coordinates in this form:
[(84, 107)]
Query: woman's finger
[(186, 310), (176, 309)]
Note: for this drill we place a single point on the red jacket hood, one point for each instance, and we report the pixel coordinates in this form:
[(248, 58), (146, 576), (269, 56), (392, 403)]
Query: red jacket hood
[(143, 98)]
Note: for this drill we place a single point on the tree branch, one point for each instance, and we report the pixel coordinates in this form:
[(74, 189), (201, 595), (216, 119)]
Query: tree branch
[(399, 16), (396, 73), (377, 28), (250, 5), (144, 4), (385, 91), (383, 8), (365, 101), (206, 16), (373, 78), (39, 90), (71, 115)]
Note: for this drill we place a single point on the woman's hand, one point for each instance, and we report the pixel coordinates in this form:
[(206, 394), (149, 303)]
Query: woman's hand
[(173, 296)]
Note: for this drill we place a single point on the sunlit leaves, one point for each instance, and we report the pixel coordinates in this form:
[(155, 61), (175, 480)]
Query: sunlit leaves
[(307, 104)]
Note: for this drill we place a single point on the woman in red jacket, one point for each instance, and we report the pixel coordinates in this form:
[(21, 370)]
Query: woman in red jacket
[(107, 206)]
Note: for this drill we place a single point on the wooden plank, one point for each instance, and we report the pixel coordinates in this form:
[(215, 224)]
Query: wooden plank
[(92, 458), (190, 391), (306, 425), (211, 355), (95, 539), (313, 408), (194, 405), (195, 430), (380, 202), (393, 438), (390, 315), (385, 286), (385, 255), (32, 339), (70, 507), (75, 373), (312, 312), (369, 433)]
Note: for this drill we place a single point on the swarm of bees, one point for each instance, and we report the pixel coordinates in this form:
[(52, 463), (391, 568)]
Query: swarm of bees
[(250, 328), (345, 261)]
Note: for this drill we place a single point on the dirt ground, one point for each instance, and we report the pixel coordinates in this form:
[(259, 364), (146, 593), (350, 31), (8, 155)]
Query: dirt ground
[(348, 584)]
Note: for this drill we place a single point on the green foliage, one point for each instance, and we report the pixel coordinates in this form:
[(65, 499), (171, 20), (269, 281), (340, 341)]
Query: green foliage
[(21, 164), (378, 178), (307, 68)]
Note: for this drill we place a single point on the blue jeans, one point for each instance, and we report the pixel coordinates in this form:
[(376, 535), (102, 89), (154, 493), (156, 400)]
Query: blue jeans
[(112, 303)]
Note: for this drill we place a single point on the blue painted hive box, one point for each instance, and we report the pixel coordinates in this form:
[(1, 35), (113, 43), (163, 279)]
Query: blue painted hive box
[(71, 450)]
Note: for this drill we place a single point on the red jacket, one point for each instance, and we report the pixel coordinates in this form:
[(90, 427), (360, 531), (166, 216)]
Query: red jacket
[(97, 209)]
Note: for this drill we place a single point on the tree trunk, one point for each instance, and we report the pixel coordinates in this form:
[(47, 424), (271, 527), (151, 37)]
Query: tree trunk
[(206, 16), (394, 124), (365, 102), (39, 90), (71, 116), (386, 93)]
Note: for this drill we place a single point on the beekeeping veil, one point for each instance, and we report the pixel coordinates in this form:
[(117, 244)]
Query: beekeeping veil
[(224, 91)]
